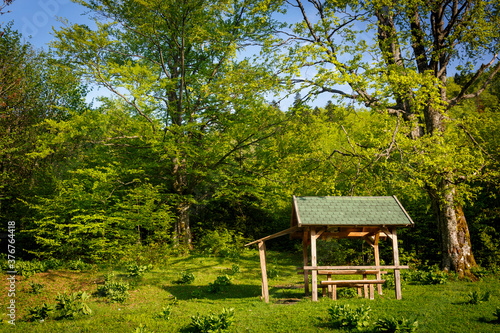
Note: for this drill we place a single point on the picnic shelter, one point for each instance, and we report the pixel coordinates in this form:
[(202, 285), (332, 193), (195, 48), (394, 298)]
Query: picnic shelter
[(335, 217)]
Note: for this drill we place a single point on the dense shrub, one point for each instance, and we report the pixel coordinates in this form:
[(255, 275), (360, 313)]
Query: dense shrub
[(212, 322), (72, 305), (345, 317), (136, 270), (40, 312), (185, 278), (224, 243), (393, 325), (115, 291), (219, 283)]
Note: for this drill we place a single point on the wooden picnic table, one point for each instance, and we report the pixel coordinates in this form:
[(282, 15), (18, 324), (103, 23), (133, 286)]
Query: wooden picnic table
[(365, 283)]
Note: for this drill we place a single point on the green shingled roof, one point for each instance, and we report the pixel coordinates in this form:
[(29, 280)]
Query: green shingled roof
[(349, 211)]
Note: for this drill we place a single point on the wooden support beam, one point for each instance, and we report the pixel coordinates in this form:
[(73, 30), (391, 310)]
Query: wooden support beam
[(314, 278), (278, 234), (395, 251), (377, 260), (305, 243), (263, 269)]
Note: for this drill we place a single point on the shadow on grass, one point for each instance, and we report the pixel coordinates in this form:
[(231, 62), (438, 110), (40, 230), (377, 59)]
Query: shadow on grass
[(235, 291), (188, 292)]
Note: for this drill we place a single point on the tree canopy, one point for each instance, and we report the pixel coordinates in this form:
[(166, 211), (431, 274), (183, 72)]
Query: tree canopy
[(189, 145)]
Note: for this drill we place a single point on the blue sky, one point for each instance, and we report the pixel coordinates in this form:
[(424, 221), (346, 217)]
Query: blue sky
[(36, 20)]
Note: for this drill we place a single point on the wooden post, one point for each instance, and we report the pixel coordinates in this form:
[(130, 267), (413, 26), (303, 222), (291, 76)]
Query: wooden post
[(314, 279), (377, 261), (263, 269), (395, 251), (305, 242)]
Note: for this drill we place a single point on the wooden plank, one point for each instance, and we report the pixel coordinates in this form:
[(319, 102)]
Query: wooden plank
[(263, 269), (395, 251), (278, 234), (314, 279), (346, 272), (305, 242), (377, 260), (365, 286), (351, 282), (313, 267)]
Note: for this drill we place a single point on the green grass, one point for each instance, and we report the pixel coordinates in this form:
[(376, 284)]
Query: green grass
[(438, 308)]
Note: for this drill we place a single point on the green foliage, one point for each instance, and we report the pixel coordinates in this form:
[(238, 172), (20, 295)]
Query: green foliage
[(224, 243), (71, 305), (347, 292), (218, 285), (185, 278), (425, 277), (164, 314), (393, 325), (136, 270), (28, 268), (213, 322), (115, 291), (78, 265), (496, 314), (343, 316), (35, 288), (477, 297), (40, 312)]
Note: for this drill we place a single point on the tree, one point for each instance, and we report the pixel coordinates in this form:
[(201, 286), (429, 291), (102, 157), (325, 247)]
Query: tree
[(394, 58), (33, 88), (172, 63)]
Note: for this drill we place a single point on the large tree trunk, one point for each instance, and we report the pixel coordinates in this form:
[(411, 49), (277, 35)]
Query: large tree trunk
[(455, 238), (182, 229)]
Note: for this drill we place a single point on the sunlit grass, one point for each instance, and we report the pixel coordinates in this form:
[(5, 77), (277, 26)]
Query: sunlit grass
[(438, 308)]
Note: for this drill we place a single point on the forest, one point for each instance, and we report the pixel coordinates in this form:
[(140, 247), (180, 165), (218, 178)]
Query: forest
[(192, 150)]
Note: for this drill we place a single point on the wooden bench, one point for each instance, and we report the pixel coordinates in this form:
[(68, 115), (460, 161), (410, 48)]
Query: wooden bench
[(351, 283), (332, 288)]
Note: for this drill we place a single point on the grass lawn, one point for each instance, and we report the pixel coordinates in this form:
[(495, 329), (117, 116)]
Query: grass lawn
[(438, 308)]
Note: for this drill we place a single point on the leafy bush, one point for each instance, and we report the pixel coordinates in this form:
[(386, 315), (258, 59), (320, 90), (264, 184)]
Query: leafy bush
[(53, 263), (185, 278), (393, 325), (345, 317), (164, 313), (220, 282), (213, 322), (71, 305), (28, 268), (40, 312), (347, 292), (78, 265), (476, 297), (135, 270), (35, 287), (115, 291), (224, 243), (426, 278)]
